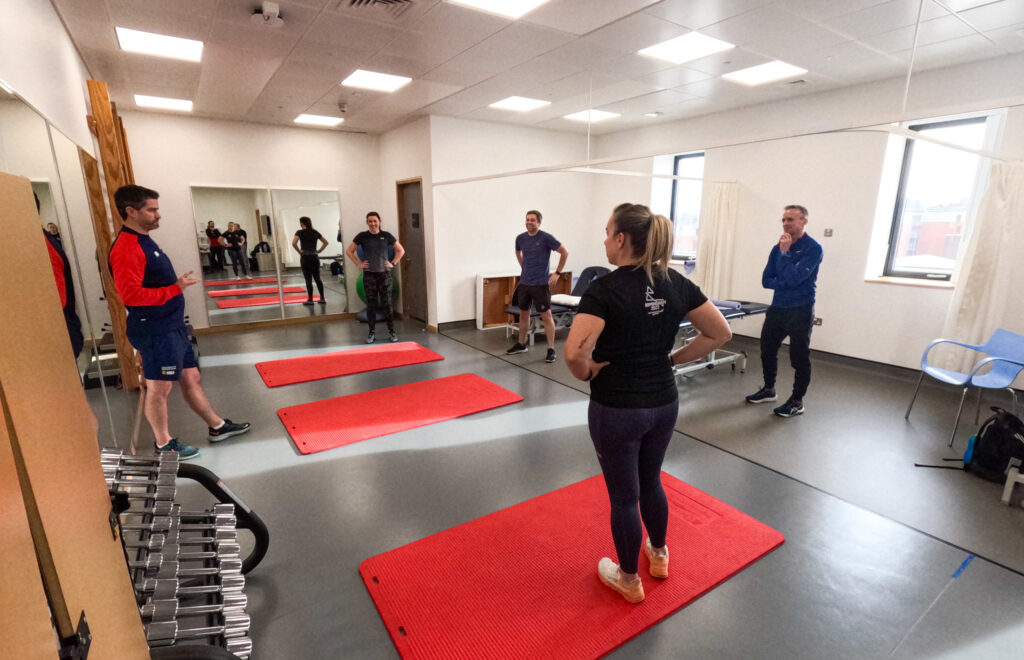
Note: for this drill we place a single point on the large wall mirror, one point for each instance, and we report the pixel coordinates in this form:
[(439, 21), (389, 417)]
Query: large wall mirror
[(251, 269), (31, 148)]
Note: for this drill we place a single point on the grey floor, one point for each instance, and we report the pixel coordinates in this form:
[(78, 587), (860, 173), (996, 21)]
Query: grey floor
[(872, 543)]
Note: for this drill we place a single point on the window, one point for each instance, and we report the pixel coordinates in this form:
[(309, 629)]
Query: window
[(685, 209), (936, 198)]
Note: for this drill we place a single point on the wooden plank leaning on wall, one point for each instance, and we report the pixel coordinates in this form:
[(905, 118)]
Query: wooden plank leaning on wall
[(52, 433), (117, 172)]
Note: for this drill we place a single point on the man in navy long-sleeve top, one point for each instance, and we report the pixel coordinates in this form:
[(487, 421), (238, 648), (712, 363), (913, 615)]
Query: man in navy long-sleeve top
[(791, 272), (153, 295)]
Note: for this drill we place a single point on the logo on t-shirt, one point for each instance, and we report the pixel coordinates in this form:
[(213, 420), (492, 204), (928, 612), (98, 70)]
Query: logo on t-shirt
[(655, 306)]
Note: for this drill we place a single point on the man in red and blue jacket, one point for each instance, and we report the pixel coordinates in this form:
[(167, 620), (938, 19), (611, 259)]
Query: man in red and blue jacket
[(153, 295)]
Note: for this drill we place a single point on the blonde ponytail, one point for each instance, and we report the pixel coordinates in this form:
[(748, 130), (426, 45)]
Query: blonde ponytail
[(650, 235)]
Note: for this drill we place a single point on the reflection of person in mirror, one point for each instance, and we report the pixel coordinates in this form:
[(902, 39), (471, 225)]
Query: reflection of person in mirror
[(216, 248), (791, 272), (65, 286), (234, 239), (376, 264), (309, 243), (153, 295)]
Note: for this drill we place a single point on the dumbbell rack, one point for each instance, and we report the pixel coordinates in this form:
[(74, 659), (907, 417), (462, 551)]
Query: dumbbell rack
[(186, 566)]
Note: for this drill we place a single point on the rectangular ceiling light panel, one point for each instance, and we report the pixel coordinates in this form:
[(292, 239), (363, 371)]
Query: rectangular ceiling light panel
[(686, 48), (163, 103), (508, 8), (593, 116), (764, 73), (381, 82), (318, 120), (519, 104), (160, 45)]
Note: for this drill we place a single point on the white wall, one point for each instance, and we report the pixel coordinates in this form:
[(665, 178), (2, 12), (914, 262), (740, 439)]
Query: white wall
[(172, 153), (39, 61), (475, 224), (405, 153)]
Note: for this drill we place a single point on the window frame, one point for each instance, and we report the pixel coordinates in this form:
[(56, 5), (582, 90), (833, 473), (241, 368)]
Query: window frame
[(681, 256), (889, 269)]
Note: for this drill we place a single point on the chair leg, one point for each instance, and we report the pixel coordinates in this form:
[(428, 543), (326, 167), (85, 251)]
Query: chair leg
[(914, 398), (957, 422), (1013, 393), (977, 409)]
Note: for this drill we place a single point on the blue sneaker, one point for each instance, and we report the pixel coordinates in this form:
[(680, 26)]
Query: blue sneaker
[(228, 430), (184, 452), (790, 408), (763, 395)]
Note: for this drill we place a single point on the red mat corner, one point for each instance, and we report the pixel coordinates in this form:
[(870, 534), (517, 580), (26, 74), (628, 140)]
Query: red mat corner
[(343, 420), (253, 290), (522, 582), (255, 280), (259, 301), (289, 371)]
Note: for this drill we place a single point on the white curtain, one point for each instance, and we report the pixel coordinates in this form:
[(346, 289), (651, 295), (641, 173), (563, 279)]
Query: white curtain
[(716, 240), (988, 289)]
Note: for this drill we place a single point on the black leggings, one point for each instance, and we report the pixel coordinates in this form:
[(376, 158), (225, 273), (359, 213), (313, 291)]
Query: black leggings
[(631, 445), (377, 287), (311, 271)]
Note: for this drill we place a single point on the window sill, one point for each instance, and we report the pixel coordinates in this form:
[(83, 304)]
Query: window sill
[(911, 281)]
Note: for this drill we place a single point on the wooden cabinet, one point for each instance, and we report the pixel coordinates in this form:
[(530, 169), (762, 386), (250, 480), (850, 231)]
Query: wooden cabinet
[(494, 293)]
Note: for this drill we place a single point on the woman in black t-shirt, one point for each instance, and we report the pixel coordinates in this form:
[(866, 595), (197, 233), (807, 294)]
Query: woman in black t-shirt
[(621, 341), (305, 241)]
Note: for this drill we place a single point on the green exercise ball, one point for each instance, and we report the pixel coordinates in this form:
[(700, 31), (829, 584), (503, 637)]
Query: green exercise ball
[(361, 292)]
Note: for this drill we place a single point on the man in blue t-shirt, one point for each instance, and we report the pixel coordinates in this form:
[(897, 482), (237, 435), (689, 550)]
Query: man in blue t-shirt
[(791, 272), (533, 250)]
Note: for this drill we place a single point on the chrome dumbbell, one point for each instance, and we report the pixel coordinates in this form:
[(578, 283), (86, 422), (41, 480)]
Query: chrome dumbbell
[(157, 543), (164, 589), (167, 524), (163, 633), (156, 566), (168, 610), (172, 509), (240, 646)]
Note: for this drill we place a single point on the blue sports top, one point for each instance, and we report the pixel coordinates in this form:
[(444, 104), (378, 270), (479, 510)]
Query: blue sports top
[(145, 281), (536, 251), (793, 275)]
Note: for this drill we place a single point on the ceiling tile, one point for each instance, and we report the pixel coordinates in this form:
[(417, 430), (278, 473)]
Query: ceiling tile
[(954, 51), (884, 17), (463, 26), (933, 31), (751, 26), (698, 15), (996, 15), (675, 77), (354, 33), (580, 17), (636, 32), (817, 10)]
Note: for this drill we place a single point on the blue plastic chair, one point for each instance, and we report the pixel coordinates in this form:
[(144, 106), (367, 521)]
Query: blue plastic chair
[(1005, 351)]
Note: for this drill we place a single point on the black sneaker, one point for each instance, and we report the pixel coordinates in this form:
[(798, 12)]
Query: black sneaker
[(392, 336), (790, 408), (550, 356), (370, 338), (517, 348), (228, 430), (763, 395), (308, 303), (184, 452), (322, 301)]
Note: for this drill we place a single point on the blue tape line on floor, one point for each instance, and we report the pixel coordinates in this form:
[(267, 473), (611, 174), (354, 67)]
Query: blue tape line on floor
[(963, 566)]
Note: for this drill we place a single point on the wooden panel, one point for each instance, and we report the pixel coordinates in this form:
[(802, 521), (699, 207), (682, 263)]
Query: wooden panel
[(130, 374), (54, 436), (498, 294), (25, 627)]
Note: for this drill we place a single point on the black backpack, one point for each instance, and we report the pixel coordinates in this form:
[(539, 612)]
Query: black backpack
[(998, 446)]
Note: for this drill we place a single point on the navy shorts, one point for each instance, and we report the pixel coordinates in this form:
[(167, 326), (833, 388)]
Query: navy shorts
[(165, 355), (539, 297)]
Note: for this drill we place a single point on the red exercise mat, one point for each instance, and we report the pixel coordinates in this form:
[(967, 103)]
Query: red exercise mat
[(522, 582), (255, 280), (343, 420), (342, 363), (220, 293), (263, 300)]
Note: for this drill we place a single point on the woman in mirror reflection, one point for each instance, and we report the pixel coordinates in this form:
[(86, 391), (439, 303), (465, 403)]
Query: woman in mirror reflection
[(234, 240), (305, 243)]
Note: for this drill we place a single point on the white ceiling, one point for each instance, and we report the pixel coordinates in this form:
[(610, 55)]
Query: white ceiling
[(574, 53)]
